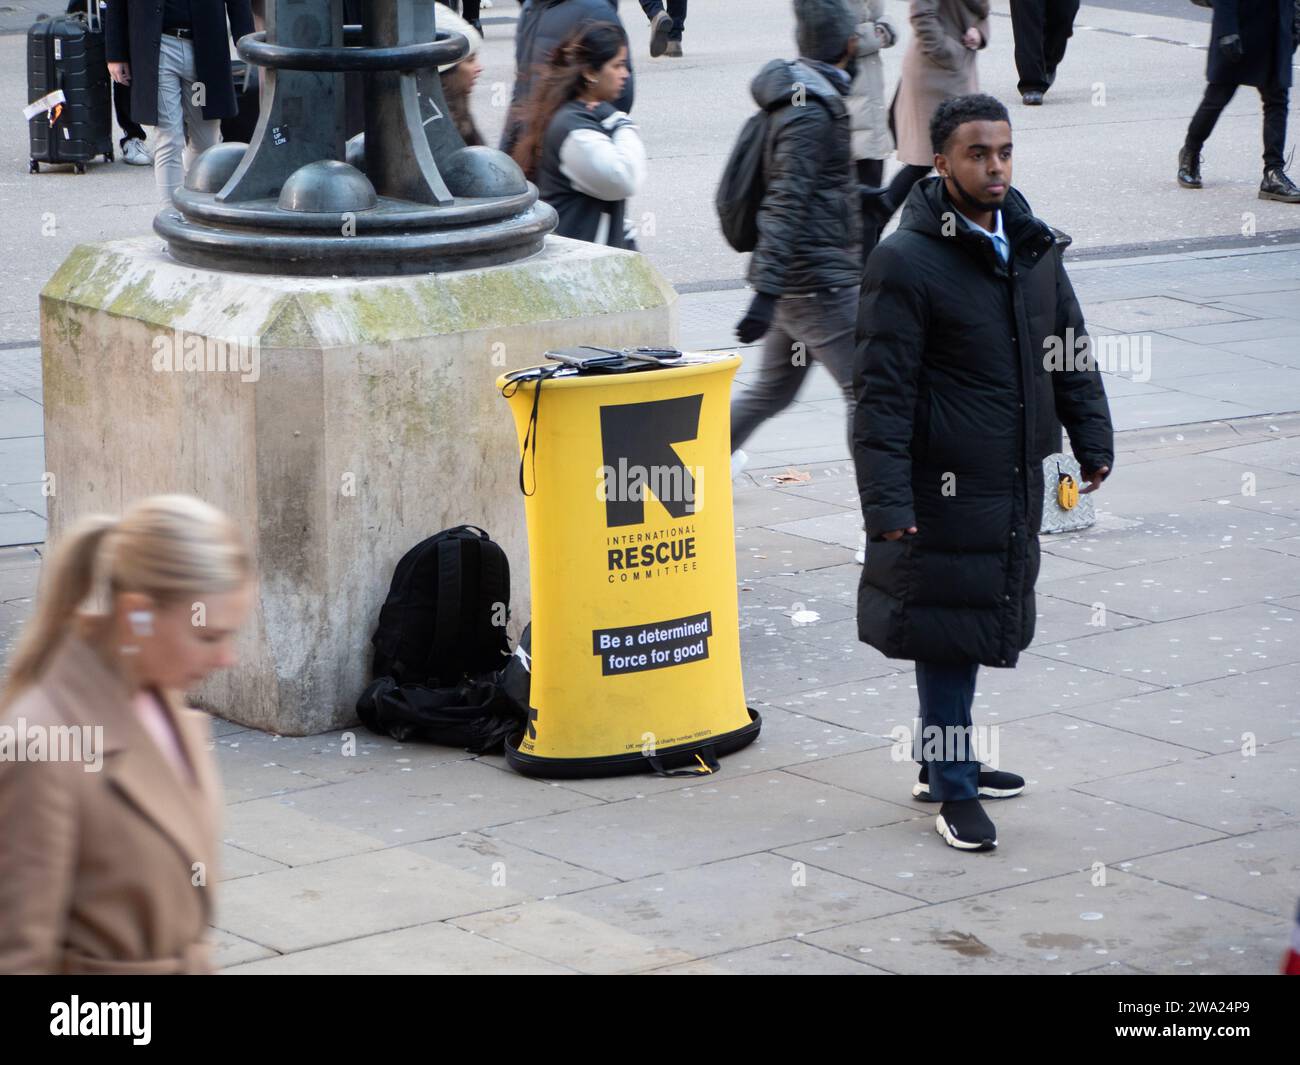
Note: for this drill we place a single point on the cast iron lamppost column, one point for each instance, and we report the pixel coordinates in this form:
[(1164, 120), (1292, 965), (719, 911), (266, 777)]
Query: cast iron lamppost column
[(412, 197)]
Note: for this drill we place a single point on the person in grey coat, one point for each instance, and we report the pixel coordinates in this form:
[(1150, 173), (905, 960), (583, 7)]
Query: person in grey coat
[(868, 112)]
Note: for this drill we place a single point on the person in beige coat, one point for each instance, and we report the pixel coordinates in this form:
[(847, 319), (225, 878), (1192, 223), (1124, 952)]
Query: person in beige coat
[(109, 797), (939, 64), (868, 114)]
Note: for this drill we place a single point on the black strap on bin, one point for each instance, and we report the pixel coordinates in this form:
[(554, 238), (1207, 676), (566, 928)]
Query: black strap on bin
[(538, 374), (706, 758)]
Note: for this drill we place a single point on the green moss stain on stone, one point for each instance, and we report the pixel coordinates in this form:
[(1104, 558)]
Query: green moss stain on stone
[(288, 324), (61, 374), (98, 277)]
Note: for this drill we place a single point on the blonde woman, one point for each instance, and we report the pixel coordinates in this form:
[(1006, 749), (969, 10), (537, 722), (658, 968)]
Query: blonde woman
[(109, 819)]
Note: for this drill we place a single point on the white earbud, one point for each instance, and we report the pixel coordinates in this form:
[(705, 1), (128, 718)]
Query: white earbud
[(141, 622)]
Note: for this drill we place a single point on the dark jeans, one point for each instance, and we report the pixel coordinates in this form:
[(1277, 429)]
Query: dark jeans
[(813, 326), (1216, 99), (1041, 28), (676, 8), (122, 105), (946, 694)]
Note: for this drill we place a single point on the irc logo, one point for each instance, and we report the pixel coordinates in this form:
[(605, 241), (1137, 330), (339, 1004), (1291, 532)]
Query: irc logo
[(637, 450)]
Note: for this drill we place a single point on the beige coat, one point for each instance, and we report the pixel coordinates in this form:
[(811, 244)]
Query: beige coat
[(101, 872), (868, 110), (936, 66)]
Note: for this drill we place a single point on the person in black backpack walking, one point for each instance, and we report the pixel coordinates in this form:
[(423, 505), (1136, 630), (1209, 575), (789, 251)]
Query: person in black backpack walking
[(1250, 44), (966, 309), (807, 264), (175, 55)]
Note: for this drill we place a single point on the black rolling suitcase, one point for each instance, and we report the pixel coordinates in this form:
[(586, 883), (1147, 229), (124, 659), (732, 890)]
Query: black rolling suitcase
[(70, 118)]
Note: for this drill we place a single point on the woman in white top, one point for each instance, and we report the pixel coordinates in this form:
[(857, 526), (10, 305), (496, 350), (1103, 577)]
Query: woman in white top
[(585, 155)]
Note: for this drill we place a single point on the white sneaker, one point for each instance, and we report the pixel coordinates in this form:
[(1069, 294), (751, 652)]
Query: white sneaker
[(861, 556), (135, 153), (739, 460)]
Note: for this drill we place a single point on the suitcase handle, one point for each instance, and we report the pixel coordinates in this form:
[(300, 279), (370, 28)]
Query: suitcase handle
[(92, 16)]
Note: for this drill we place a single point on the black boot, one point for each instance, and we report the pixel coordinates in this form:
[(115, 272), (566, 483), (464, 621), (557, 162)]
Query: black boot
[(1189, 168), (1277, 186)]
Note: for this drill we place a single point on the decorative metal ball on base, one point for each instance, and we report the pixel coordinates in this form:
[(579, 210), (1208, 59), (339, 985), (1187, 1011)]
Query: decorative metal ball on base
[(411, 196)]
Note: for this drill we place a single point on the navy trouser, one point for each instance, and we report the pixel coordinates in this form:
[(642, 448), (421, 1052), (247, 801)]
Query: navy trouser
[(946, 694), (676, 8)]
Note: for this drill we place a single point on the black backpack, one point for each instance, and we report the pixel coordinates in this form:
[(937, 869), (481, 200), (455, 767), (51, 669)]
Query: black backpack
[(446, 610), (740, 192)]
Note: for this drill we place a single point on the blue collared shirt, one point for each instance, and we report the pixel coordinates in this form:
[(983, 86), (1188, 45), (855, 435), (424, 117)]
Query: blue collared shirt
[(998, 236)]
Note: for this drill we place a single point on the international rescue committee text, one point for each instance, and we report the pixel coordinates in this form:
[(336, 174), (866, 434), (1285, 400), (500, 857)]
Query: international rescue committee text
[(643, 555)]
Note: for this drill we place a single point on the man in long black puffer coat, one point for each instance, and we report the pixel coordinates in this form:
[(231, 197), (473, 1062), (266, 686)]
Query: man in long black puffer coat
[(969, 338)]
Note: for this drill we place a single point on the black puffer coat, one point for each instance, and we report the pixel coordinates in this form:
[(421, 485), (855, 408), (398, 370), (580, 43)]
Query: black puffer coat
[(809, 226), (952, 423), (543, 26), (1267, 32)]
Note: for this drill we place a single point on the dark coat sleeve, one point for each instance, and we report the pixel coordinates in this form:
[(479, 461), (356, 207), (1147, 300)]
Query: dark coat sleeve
[(1081, 403), (794, 161), (892, 325), (240, 13), (117, 35)]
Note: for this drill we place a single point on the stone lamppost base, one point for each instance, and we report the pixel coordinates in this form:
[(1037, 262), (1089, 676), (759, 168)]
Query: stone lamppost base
[(339, 420)]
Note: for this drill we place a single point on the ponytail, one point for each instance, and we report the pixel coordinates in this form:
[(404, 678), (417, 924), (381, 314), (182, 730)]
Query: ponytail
[(589, 47), (66, 582), (168, 547)]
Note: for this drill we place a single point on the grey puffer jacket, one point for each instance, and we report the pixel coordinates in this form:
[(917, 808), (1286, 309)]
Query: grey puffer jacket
[(809, 224)]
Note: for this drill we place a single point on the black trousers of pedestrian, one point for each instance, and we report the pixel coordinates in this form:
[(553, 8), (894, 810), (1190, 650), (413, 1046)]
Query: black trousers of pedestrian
[(871, 173), (122, 106), (1216, 99), (1041, 28), (676, 8)]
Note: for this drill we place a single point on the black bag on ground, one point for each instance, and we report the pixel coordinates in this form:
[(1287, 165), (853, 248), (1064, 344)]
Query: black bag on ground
[(445, 616), (66, 52), (474, 714)]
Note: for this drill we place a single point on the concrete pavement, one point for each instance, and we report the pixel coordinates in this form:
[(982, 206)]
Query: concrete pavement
[(1156, 715)]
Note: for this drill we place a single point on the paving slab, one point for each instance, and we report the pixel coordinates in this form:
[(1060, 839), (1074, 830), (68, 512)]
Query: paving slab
[(1040, 835), (711, 909), (344, 898), (1065, 925), (1214, 716), (640, 837), (1189, 650), (1231, 793), (1259, 869), (785, 957), (425, 949), (1185, 587)]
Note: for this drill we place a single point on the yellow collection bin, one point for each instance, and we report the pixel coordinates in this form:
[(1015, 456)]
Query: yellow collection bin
[(635, 627)]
